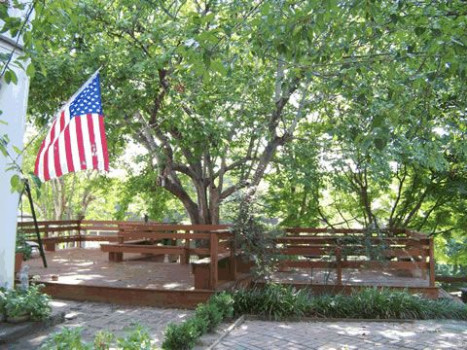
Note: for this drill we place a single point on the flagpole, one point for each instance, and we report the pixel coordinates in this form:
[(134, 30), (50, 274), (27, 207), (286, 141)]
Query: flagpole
[(33, 212)]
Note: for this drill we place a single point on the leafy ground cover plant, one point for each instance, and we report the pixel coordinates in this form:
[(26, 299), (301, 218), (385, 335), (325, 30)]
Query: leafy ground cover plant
[(70, 338), (2, 303), (31, 302), (22, 246), (385, 304), (274, 301), (280, 302)]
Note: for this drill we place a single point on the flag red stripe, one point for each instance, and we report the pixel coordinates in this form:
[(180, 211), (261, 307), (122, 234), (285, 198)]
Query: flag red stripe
[(92, 140), (36, 166), (105, 151), (58, 168), (62, 121), (46, 165), (46, 154), (69, 155), (79, 137)]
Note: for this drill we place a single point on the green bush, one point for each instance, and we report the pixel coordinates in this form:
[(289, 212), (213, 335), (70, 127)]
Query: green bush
[(225, 304), (384, 304), (273, 301), (183, 336), (278, 302), (66, 339), (70, 339), (138, 339), (22, 246), (207, 317), (2, 302), (103, 340), (31, 302), (38, 303), (210, 315)]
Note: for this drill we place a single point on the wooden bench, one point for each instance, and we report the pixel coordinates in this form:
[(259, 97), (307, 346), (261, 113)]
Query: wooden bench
[(138, 239), (116, 250)]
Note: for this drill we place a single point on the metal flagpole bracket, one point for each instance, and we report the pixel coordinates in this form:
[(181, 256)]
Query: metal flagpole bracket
[(33, 212)]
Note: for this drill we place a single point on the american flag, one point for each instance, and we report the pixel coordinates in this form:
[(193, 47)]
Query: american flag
[(76, 140)]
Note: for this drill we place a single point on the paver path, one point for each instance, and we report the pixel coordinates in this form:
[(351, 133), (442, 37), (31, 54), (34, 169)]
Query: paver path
[(93, 317), (259, 335)]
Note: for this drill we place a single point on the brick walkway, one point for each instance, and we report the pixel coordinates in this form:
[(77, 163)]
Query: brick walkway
[(92, 317), (259, 335)]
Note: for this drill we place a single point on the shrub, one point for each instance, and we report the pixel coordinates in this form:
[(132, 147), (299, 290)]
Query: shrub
[(2, 302), (225, 304), (31, 302), (70, 339), (66, 339), (278, 302), (210, 315), (384, 304), (103, 340), (38, 303), (274, 301), (182, 336), (22, 246), (138, 339)]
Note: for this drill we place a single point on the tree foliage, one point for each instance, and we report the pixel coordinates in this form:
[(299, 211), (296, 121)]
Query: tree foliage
[(353, 110)]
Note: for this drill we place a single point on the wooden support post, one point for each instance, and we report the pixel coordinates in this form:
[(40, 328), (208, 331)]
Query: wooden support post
[(78, 228), (339, 266), (49, 246), (425, 268), (115, 257), (213, 249), (432, 263), (46, 230), (233, 258), (185, 259)]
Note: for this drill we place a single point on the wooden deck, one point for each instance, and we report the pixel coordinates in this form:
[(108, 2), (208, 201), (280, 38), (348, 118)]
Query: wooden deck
[(91, 267), (86, 274), (322, 260)]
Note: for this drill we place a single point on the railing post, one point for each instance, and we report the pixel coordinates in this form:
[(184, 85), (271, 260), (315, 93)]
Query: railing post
[(233, 258), (213, 249), (185, 259), (46, 230), (339, 265), (432, 263), (49, 246), (79, 232)]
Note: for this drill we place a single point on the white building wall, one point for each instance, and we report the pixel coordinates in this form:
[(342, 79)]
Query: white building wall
[(13, 104)]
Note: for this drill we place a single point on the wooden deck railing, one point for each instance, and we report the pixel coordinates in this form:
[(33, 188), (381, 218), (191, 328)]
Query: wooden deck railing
[(70, 231), (355, 249), (300, 248)]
